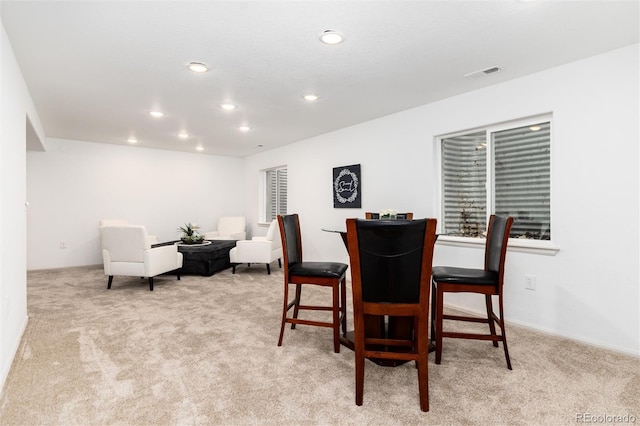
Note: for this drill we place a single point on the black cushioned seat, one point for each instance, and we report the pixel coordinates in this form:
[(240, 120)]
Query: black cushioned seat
[(451, 274), (318, 269)]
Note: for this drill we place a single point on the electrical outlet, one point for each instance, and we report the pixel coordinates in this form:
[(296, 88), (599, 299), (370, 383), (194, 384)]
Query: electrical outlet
[(530, 282), (63, 244)]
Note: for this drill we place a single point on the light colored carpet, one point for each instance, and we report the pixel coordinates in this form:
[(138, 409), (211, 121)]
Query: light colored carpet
[(203, 351)]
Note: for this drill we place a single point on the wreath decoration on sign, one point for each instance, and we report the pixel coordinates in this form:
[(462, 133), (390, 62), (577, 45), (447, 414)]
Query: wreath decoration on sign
[(338, 189)]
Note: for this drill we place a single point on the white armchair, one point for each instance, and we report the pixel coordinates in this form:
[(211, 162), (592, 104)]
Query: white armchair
[(258, 249), (120, 222), (229, 228), (126, 251)]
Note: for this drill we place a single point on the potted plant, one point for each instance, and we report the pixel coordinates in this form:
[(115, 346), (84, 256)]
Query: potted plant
[(190, 234)]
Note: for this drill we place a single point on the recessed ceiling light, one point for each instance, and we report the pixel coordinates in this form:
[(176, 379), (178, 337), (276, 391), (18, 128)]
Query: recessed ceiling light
[(197, 67), (331, 37), (244, 128), (132, 140), (534, 128), (311, 97), (199, 148), (156, 114), (228, 107), (183, 135)]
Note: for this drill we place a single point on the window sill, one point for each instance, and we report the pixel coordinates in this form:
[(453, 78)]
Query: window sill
[(515, 244)]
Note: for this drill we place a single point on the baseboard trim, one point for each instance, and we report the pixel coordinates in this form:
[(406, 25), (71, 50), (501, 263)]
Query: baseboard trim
[(13, 351), (550, 332), (99, 265)]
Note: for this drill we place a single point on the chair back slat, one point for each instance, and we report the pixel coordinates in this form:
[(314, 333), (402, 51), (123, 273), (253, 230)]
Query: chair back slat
[(291, 239), (390, 259), (497, 239)]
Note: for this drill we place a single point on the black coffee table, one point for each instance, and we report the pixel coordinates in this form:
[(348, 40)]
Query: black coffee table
[(203, 259)]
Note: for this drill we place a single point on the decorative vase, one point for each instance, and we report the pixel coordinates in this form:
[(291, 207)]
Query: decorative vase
[(388, 214), (192, 240)]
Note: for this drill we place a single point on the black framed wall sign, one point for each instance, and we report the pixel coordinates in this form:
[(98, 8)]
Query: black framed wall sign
[(347, 187)]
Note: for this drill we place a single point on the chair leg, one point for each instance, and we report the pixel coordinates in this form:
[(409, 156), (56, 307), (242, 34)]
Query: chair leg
[(284, 312), (233, 268), (492, 324), (422, 363), (423, 381), (336, 316), (433, 313), (439, 318), (359, 377), (504, 334), (110, 281), (268, 269), (178, 275), (279, 263), (296, 306), (343, 305), (150, 283)]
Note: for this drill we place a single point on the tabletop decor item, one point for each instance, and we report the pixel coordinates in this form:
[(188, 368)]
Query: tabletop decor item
[(190, 234), (388, 214)]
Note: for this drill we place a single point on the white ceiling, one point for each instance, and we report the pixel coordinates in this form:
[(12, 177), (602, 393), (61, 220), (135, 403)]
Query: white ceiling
[(95, 69)]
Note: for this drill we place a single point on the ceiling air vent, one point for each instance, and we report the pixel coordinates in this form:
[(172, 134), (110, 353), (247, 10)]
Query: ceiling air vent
[(484, 72)]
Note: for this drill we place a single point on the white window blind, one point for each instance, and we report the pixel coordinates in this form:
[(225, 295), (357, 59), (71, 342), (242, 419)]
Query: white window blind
[(517, 184), (464, 174), (276, 193), (522, 163)]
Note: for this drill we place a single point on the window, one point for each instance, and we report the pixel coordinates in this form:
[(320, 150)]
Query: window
[(275, 193), (516, 183)]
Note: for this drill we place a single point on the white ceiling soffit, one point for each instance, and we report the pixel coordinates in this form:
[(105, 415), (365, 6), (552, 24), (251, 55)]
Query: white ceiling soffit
[(95, 69)]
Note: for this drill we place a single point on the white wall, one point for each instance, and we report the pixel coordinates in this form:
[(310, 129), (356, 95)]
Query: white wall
[(73, 185), (589, 289), (15, 107)]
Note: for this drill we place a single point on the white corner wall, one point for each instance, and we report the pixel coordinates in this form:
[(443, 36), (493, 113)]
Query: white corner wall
[(589, 290), (16, 107), (73, 185)]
